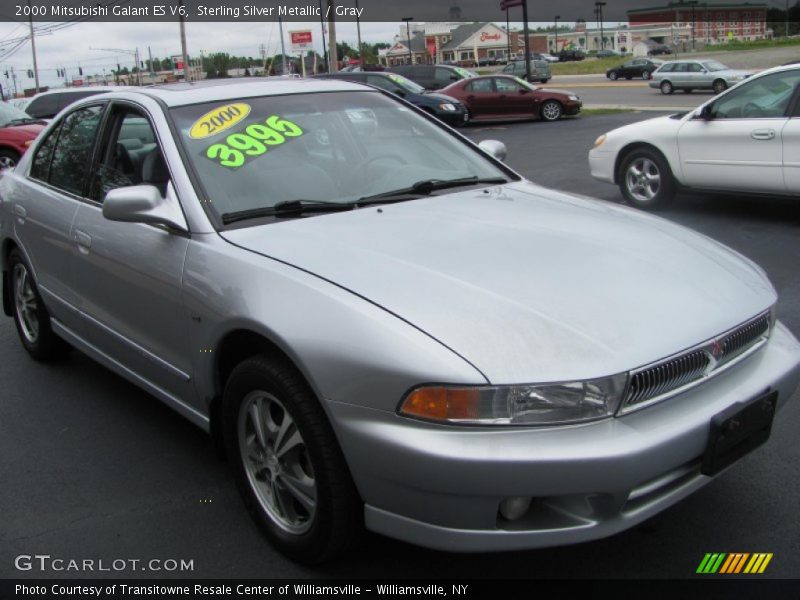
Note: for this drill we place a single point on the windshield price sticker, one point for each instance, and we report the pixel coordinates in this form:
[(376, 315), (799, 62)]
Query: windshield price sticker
[(252, 142), (398, 79), (218, 120)]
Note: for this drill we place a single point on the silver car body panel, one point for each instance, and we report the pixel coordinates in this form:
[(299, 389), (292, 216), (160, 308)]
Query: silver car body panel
[(370, 304)]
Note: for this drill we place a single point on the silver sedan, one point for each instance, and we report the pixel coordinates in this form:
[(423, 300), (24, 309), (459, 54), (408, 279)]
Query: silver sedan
[(384, 325)]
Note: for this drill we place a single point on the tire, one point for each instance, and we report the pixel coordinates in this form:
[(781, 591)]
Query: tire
[(666, 88), (544, 80), (613, 76), (551, 110), (8, 158), (301, 495), (645, 179), (30, 315), (646, 75), (719, 86)]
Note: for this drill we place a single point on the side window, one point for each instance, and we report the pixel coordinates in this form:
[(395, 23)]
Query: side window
[(509, 68), (666, 68), (43, 107), (445, 75), (506, 85), (130, 157), (480, 86), (761, 98), (383, 82), (72, 155), (695, 68), (40, 166), (680, 68)]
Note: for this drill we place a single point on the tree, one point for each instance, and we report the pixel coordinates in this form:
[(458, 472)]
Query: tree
[(220, 63)]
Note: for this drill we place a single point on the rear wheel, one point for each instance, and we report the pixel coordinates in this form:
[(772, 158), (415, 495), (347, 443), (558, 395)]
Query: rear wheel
[(552, 110), (666, 88), (719, 86), (30, 315), (8, 158), (646, 75), (645, 179), (288, 465), (613, 76)]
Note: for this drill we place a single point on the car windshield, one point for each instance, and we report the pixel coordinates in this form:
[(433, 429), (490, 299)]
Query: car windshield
[(713, 65), (406, 84), (10, 114), (465, 73), (332, 147), (524, 83)]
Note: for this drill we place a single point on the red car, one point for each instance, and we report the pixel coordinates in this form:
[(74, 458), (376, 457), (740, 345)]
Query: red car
[(507, 97), (17, 131)]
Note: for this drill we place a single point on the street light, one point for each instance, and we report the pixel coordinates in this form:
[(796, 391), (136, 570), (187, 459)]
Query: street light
[(408, 33), (557, 18), (600, 6), (692, 3)]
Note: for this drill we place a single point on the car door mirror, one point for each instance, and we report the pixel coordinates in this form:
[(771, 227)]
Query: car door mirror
[(494, 147), (143, 204), (706, 113)]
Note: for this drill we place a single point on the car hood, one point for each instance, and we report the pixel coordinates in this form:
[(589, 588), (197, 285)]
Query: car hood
[(526, 283), (22, 132), (439, 97), (556, 92)]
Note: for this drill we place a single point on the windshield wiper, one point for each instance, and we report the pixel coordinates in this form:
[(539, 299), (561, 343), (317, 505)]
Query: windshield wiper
[(287, 208), (425, 188), (24, 121)]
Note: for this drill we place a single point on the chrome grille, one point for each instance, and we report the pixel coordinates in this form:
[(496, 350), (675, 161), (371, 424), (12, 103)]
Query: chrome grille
[(656, 382)]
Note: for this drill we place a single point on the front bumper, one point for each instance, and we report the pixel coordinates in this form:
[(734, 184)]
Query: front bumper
[(573, 107), (441, 487), (655, 84), (602, 164), (458, 117)]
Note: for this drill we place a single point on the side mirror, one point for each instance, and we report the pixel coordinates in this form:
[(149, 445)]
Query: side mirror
[(454, 77), (524, 91), (494, 147), (143, 204), (706, 113)]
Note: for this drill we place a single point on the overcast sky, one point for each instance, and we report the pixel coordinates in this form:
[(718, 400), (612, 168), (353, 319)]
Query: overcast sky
[(72, 46)]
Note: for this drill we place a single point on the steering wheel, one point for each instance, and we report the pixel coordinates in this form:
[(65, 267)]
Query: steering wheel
[(368, 161), (751, 109)]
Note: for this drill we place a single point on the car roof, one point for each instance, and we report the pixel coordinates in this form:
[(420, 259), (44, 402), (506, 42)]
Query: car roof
[(100, 89), (213, 90)]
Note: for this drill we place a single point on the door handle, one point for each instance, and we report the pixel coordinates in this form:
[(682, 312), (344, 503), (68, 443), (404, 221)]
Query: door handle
[(20, 211), (763, 134), (84, 240)]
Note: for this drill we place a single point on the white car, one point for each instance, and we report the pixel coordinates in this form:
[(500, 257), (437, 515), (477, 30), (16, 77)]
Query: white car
[(747, 139)]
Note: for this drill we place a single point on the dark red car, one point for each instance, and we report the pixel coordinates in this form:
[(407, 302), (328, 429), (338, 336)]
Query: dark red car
[(507, 97), (17, 131)]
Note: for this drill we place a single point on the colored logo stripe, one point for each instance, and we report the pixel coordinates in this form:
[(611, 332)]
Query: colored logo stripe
[(734, 563)]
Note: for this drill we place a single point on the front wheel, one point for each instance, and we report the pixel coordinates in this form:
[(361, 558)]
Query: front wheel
[(666, 88), (30, 315), (8, 158), (646, 75), (289, 467), (551, 110), (645, 179), (613, 76), (719, 86)]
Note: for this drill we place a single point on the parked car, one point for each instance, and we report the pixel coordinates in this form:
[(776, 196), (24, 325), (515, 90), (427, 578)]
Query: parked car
[(17, 132), (504, 96), (540, 70), (658, 49), (550, 58), (688, 75), (433, 77), (746, 140), (571, 55), (637, 67), (444, 107), (487, 61), (607, 53), (386, 325), (47, 105)]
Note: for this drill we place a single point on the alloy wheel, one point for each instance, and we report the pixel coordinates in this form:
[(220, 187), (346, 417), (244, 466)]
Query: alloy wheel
[(6, 162), (643, 179), (277, 463), (25, 303), (551, 111)]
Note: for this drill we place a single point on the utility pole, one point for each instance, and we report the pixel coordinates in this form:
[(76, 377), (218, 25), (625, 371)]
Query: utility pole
[(693, 3), (322, 28), (283, 46), (150, 59), (600, 6), (508, 36), (33, 48), (557, 18), (332, 51), (358, 31), (527, 40), (185, 55), (408, 36)]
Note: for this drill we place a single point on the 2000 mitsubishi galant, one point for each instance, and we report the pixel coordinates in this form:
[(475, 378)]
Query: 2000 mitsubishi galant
[(382, 323)]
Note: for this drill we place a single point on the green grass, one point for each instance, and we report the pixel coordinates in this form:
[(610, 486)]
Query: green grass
[(755, 45), (588, 66), (596, 112)]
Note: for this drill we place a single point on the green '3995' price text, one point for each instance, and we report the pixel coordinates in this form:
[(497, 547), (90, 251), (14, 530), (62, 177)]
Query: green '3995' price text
[(254, 141)]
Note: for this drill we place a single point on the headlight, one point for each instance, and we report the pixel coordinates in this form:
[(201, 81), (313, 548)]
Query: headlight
[(447, 107), (535, 404), (737, 77), (600, 141), (573, 98)]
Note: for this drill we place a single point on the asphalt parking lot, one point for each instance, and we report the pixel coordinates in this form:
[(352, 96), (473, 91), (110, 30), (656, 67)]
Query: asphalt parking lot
[(94, 468)]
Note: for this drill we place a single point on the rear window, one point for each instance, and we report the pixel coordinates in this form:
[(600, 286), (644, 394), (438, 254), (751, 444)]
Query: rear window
[(43, 107)]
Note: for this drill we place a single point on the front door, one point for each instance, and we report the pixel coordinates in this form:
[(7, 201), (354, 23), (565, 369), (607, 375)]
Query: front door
[(741, 146), (129, 274)]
